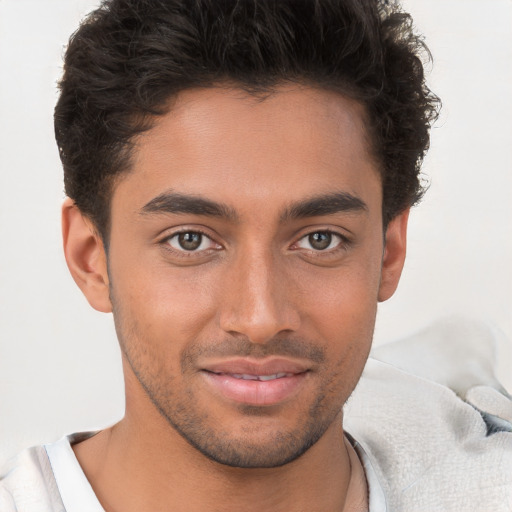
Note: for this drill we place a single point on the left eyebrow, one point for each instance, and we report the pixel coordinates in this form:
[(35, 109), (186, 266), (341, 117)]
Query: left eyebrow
[(326, 204)]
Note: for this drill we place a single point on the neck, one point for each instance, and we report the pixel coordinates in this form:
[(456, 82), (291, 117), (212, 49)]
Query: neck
[(147, 468)]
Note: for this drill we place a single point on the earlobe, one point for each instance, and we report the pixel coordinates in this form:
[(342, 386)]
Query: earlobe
[(394, 255), (85, 256)]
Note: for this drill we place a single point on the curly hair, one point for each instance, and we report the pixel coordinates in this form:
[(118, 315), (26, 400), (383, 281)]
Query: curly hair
[(128, 58)]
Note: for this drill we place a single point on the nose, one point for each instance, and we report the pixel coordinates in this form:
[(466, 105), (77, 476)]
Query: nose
[(258, 298)]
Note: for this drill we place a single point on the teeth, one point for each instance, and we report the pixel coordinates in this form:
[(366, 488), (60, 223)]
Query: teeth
[(245, 376), (272, 377)]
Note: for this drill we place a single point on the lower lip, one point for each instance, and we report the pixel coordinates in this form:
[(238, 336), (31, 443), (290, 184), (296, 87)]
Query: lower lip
[(255, 392)]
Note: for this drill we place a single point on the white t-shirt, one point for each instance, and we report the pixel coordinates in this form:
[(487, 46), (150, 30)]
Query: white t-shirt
[(74, 488)]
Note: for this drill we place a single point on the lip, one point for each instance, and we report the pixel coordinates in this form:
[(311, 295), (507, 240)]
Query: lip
[(268, 366), (237, 380)]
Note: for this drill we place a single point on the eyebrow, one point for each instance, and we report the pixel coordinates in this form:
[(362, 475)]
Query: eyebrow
[(326, 204), (174, 202)]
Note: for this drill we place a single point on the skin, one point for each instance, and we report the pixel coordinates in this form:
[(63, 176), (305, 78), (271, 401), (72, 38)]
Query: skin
[(260, 287)]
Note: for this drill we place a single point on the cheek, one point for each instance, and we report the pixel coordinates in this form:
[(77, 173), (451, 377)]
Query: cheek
[(343, 296), (339, 308), (168, 303)]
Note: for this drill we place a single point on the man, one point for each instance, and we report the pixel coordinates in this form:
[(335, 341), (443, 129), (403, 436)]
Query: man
[(239, 178)]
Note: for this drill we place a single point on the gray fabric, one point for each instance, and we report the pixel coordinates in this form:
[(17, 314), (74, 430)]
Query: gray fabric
[(435, 422)]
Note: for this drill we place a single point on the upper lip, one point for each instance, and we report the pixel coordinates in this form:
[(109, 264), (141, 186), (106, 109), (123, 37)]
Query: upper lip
[(269, 366)]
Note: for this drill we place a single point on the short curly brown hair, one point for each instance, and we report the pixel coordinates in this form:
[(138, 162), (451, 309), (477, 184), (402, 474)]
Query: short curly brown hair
[(129, 57)]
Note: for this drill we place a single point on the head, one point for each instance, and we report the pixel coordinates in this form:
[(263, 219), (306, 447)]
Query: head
[(249, 166)]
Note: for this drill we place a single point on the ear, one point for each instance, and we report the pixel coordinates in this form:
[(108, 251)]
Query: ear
[(394, 255), (85, 256)]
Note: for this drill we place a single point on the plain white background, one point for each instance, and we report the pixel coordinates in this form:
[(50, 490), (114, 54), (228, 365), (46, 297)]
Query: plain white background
[(59, 362)]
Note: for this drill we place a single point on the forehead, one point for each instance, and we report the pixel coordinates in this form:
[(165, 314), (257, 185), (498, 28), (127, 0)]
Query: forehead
[(228, 145)]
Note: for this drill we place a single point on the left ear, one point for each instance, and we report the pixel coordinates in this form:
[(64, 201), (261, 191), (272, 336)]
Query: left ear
[(394, 255)]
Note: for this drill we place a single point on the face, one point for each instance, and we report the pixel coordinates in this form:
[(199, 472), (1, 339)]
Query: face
[(246, 259)]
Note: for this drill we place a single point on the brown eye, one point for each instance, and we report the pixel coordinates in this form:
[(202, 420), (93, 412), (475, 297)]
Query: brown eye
[(320, 240), (190, 241)]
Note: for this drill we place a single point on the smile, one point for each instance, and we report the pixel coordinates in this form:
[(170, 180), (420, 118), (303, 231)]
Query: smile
[(253, 388), (246, 376)]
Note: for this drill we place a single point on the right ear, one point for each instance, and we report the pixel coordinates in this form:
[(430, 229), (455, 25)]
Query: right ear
[(85, 256)]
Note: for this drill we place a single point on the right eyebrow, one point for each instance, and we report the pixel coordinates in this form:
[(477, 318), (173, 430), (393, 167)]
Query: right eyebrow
[(178, 203)]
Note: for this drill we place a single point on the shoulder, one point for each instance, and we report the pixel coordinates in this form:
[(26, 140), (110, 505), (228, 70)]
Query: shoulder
[(436, 423), (27, 483)]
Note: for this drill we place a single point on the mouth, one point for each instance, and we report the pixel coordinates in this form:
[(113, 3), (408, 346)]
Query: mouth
[(245, 376), (257, 383)]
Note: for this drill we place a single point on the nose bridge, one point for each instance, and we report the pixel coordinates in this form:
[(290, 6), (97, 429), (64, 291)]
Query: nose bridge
[(257, 301)]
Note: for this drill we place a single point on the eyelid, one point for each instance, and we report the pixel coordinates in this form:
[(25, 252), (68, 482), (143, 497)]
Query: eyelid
[(203, 240), (344, 241), (164, 241)]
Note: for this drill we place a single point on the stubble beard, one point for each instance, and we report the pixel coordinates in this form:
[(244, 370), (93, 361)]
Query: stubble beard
[(278, 449), (182, 412)]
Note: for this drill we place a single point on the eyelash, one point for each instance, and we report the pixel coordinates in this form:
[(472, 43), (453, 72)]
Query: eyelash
[(183, 253), (344, 243)]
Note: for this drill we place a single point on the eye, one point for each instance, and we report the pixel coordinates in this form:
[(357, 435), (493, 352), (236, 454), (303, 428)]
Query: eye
[(320, 241), (191, 241)]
